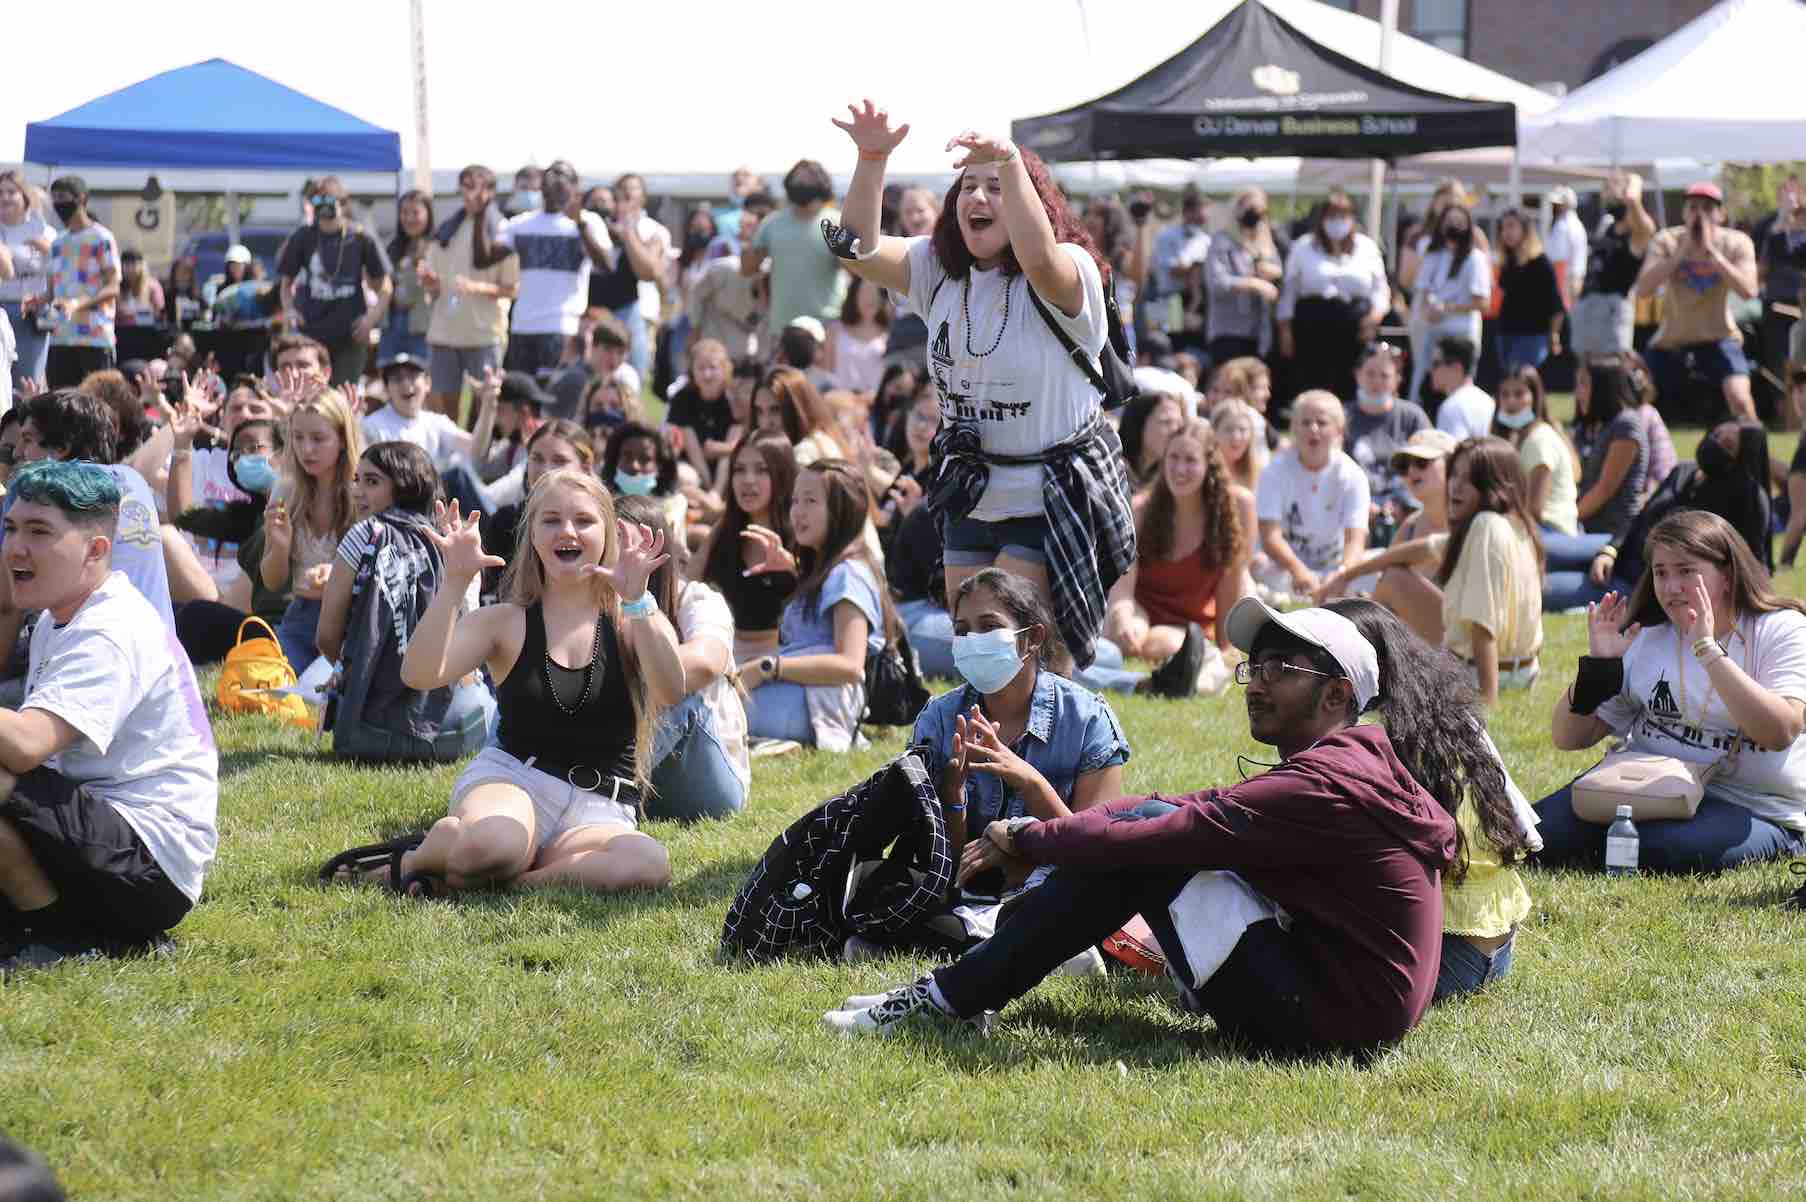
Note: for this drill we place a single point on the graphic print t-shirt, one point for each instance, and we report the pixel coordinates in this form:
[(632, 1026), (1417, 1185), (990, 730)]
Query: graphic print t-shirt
[(1313, 509), (1669, 707), (554, 269), (329, 271), (80, 264), (1026, 394)]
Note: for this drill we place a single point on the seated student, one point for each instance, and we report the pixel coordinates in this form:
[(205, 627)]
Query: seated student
[(556, 445), (786, 404), (1194, 539), (110, 773), (1016, 739), (1662, 458), (1412, 555), (406, 418), (1339, 838), (520, 405), (1147, 423), (1612, 440), (607, 402), (1438, 730), (208, 629), (700, 766), (639, 462), (1705, 663), (1379, 423), (1466, 411), (701, 409), (290, 554), (606, 355), (197, 474), (1550, 467), (556, 798), (812, 691), (1312, 500), (1796, 470), (762, 479), (389, 563)]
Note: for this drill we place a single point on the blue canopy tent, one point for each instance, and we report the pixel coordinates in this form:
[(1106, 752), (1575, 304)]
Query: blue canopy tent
[(213, 114)]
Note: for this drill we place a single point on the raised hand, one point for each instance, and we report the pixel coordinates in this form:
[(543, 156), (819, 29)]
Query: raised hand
[(291, 386), (989, 753), (870, 129), (354, 398), (184, 424), (908, 492), (278, 530), (981, 148), (1604, 617), (460, 542), (1701, 622), (642, 553), (773, 556)]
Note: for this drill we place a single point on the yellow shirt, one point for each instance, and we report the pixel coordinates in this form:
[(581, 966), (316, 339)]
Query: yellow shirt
[(1496, 585), (1491, 898)]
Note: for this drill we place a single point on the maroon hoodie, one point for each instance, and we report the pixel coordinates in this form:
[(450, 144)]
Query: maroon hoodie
[(1341, 836)]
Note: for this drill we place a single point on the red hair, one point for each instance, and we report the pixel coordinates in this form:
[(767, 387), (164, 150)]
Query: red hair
[(950, 245)]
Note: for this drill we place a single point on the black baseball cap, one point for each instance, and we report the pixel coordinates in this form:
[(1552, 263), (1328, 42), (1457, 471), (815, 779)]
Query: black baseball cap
[(397, 361), (520, 388)]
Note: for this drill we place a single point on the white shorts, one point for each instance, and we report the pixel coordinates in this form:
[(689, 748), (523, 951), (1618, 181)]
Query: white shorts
[(558, 805)]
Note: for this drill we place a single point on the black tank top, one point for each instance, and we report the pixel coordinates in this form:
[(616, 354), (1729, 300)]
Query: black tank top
[(1611, 267), (600, 735)]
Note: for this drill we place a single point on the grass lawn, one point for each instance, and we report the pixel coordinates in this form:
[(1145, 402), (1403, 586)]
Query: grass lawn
[(339, 1043)]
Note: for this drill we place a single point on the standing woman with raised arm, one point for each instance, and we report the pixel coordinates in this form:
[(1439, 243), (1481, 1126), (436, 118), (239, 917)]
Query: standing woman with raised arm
[(1032, 479)]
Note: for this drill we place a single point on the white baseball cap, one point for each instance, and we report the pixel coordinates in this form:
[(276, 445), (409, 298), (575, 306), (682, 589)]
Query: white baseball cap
[(238, 252), (813, 325), (1562, 195), (1321, 628)]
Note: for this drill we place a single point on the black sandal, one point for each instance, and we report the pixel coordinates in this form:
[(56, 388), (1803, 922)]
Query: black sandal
[(359, 860)]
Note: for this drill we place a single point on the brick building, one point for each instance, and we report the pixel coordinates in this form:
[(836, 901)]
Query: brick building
[(1539, 41)]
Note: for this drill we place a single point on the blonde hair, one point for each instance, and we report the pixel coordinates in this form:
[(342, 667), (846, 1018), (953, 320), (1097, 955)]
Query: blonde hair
[(1261, 236), (1246, 472), (301, 489), (1529, 246), (1332, 405), (524, 584)]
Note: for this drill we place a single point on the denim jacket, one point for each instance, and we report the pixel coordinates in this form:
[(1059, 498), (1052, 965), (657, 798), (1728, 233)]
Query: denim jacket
[(1071, 731)]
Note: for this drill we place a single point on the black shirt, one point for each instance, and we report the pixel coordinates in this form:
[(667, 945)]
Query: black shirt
[(1611, 267), (600, 735), (329, 271), (710, 420), (1531, 298)]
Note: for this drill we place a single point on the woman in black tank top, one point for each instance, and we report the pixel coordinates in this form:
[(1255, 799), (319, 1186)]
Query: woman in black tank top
[(586, 660), (761, 477)]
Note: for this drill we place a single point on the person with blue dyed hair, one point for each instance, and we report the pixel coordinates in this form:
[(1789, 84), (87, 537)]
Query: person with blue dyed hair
[(109, 779)]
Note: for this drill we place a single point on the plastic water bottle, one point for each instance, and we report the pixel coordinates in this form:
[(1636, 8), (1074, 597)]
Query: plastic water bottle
[(1621, 844)]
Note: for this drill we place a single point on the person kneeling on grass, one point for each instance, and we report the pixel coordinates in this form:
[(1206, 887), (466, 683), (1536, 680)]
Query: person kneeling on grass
[(110, 774), (556, 798), (1705, 664), (1301, 909)]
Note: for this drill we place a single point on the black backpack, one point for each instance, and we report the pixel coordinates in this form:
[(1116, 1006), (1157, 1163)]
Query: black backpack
[(871, 862)]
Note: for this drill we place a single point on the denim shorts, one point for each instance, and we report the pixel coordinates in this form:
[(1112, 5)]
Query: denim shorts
[(1713, 360), (559, 805), (971, 543)]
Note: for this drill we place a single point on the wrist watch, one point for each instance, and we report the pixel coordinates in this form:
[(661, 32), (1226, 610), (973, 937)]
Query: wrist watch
[(769, 666)]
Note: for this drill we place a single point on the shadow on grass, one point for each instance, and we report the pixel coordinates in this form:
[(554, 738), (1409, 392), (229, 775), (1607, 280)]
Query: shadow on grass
[(237, 763)]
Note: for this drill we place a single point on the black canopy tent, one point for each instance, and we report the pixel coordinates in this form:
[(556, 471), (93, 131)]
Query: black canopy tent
[(1253, 85)]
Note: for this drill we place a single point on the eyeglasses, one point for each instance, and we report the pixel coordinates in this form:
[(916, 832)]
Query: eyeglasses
[(1272, 671)]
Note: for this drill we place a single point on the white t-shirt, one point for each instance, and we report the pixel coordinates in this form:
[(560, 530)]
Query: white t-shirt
[(438, 435), (1466, 412), (1567, 243), (554, 269), (654, 234), (1313, 509), (1440, 280), (1026, 394), (146, 747), (1669, 707), (702, 613)]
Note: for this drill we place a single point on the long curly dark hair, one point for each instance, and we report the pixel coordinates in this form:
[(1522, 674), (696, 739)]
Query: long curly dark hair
[(950, 245), (1436, 725), (1224, 539)]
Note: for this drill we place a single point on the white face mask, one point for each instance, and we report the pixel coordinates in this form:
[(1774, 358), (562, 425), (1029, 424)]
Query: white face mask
[(1372, 402), (989, 659), (1338, 228), (1517, 421)]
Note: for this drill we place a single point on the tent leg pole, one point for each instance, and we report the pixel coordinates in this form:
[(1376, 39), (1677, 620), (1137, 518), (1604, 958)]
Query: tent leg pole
[(1376, 200), (1514, 183), (231, 216)]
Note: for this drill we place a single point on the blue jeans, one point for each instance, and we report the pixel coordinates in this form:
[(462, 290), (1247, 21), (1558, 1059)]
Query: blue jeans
[(1106, 671), (33, 347), (1566, 584), (1522, 350), (639, 350), (930, 635), (297, 631), (692, 777), (1720, 835), (779, 709), (396, 339), (1466, 969)]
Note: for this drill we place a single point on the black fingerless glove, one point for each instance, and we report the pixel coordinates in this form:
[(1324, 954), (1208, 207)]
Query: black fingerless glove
[(1599, 680), (840, 239)]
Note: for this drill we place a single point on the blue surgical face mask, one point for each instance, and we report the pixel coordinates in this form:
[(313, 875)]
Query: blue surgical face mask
[(988, 660), (1517, 421), (255, 473), (630, 485), (528, 200)]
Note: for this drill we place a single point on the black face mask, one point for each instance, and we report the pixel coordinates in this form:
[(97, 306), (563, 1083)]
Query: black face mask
[(1713, 459), (1616, 210), (1252, 218), (65, 209), (1458, 237), (697, 241)]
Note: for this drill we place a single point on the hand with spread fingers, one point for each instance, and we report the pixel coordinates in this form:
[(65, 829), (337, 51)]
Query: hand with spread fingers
[(460, 542), (871, 130), (774, 558), (642, 553), (981, 148), (1604, 618)]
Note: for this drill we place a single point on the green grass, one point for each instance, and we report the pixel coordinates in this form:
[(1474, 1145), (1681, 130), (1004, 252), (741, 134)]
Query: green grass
[(308, 1043)]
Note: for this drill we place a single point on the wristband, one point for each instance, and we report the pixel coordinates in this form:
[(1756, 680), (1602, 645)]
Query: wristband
[(1609, 551), (644, 607), (874, 156), (953, 809), (1704, 645), (1599, 680), (843, 243)]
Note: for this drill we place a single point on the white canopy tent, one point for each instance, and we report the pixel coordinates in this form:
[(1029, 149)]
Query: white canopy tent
[(1725, 87)]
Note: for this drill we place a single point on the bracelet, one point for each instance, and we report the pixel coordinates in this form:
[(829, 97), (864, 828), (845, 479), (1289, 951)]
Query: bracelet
[(777, 667), (644, 607), (1609, 551), (874, 156), (953, 809), (1704, 645)]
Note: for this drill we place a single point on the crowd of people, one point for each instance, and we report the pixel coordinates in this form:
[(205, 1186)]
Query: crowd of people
[(605, 514)]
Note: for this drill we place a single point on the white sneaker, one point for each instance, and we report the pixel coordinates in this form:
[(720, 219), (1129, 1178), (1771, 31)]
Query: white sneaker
[(1088, 963), (895, 1008)]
